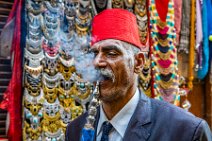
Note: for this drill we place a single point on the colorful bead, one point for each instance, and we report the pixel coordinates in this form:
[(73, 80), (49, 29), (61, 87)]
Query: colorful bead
[(210, 38)]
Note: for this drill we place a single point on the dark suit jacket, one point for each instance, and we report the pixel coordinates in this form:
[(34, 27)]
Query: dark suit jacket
[(154, 120)]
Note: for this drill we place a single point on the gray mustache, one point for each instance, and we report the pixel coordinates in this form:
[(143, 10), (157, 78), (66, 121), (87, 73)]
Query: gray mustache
[(106, 74)]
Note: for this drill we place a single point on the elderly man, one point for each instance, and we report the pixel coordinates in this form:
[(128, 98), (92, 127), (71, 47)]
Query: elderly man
[(125, 113)]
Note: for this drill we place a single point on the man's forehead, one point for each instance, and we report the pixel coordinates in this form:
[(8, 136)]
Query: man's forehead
[(108, 42)]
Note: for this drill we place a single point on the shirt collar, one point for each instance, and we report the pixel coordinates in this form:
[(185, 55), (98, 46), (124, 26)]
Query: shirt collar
[(122, 118)]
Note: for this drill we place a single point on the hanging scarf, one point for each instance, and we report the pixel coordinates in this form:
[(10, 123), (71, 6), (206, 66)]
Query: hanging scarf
[(210, 32), (199, 34), (177, 18), (205, 20), (185, 27), (13, 94)]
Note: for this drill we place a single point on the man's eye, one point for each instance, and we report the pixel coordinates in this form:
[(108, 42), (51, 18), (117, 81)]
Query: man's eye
[(111, 53)]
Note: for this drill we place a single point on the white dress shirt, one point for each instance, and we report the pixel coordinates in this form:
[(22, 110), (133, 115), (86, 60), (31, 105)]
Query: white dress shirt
[(120, 121)]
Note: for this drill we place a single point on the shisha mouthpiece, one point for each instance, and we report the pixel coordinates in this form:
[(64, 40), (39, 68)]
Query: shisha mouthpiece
[(88, 132)]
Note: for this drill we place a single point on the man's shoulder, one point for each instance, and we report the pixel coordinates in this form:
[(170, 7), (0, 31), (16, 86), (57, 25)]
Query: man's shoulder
[(165, 110), (178, 121), (166, 113)]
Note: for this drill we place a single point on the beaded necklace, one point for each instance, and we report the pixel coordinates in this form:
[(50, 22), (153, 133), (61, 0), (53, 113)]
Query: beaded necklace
[(140, 10), (164, 58)]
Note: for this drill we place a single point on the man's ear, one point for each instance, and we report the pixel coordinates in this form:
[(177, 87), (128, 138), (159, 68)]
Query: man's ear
[(139, 62)]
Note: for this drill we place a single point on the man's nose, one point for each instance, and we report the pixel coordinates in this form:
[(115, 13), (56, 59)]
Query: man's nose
[(99, 61)]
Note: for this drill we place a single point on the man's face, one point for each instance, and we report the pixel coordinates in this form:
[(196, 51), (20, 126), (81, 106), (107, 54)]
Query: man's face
[(116, 65)]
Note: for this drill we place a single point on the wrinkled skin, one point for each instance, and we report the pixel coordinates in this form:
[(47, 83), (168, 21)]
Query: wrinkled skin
[(111, 55)]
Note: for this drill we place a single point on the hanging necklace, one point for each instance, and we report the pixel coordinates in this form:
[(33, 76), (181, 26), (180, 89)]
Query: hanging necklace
[(163, 47), (140, 10)]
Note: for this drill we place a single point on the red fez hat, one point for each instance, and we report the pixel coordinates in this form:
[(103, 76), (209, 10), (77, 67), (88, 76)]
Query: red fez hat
[(117, 24)]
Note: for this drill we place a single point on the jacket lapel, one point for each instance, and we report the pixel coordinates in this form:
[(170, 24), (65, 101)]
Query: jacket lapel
[(138, 126), (137, 129)]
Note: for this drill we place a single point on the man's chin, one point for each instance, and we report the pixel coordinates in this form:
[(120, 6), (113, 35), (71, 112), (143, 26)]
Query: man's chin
[(105, 86), (106, 97)]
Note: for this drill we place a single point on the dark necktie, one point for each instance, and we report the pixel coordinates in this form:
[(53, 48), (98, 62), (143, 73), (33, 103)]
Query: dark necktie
[(106, 128)]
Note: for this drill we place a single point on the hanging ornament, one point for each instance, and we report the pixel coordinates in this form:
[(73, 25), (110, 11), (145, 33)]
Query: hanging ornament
[(164, 57)]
